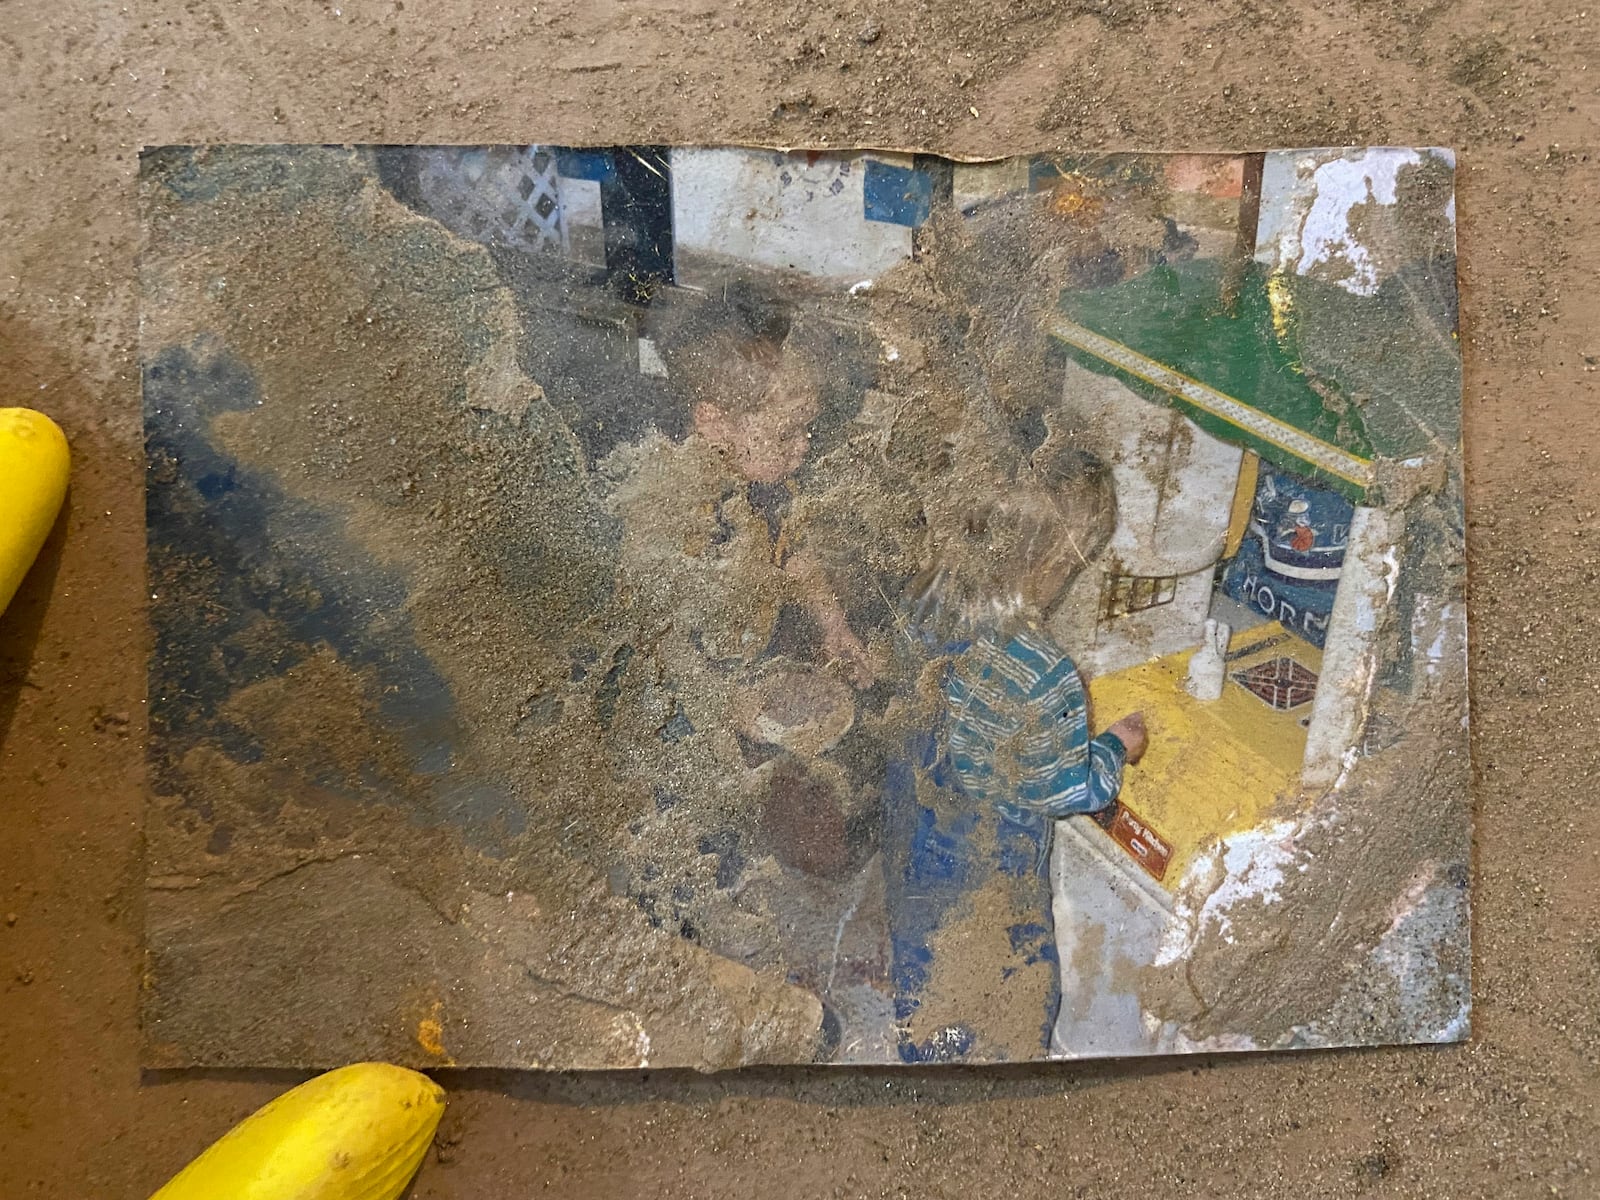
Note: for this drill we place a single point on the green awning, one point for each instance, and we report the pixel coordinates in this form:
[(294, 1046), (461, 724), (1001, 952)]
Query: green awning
[(1236, 373)]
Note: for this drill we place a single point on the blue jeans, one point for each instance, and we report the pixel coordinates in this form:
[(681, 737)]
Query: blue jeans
[(972, 937)]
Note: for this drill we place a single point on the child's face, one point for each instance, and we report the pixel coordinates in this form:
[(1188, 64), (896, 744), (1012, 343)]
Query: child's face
[(766, 439)]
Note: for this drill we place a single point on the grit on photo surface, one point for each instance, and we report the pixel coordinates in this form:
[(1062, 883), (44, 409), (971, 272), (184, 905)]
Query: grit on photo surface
[(692, 607)]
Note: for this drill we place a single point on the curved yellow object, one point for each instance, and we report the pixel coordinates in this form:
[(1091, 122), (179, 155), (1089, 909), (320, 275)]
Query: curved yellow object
[(33, 483), (358, 1133)]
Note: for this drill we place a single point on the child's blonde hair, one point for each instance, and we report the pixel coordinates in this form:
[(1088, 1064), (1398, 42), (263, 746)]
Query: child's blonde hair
[(1010, 557)]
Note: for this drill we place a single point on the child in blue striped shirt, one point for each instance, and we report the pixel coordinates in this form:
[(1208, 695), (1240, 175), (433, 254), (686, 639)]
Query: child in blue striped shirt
[(969, 813)]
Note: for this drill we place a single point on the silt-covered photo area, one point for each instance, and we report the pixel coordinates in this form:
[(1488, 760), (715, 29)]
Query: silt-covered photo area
[(693, 607)]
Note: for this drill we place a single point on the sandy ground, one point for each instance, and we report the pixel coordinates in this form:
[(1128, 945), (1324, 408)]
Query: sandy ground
[(1509, 84)]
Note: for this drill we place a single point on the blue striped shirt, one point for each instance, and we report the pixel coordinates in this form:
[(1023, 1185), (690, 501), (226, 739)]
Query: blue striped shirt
[(1019, 733)]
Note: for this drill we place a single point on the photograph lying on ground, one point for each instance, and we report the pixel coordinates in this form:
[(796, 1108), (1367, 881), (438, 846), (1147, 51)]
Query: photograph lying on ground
[(687, 607)]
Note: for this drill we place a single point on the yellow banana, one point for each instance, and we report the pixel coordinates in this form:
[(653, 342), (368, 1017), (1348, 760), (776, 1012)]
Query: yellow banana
[(33, 483), (358, 1133)]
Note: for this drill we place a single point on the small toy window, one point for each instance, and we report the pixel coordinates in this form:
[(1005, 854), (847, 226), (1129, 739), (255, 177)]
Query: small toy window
[(1126, 594)]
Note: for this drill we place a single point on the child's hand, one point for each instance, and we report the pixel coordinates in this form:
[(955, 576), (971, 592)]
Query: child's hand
[(1132, 734)]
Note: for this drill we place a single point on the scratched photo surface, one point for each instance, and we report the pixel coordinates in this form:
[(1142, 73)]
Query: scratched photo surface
[(692, 607)]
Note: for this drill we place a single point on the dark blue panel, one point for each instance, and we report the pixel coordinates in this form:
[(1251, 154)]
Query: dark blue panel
[(1288, 566), (1302, 608), (585, 164), (897, 195), (636, 206)]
